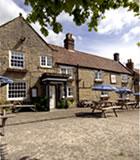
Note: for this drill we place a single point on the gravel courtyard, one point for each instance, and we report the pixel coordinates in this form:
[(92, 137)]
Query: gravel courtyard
[(62, 135)]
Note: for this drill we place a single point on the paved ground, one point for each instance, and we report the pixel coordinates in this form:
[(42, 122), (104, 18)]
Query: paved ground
[(64, 135)]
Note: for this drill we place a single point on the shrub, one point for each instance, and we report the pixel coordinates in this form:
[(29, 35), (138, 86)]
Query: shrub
[(41, 103), (62, 104)]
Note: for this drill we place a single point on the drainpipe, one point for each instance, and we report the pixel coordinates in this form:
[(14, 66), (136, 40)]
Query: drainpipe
[(65, 94), (47, 94), (77, 84)]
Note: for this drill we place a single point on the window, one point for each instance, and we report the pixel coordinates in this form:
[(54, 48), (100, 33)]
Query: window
[(46, 61), (16, 59), (63, 70), (124, 78), (17, 91), (67, 70), (98, 76), (113, 78), (69, 91)]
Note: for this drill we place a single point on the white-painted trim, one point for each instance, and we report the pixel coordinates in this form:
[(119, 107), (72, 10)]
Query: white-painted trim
[(15, 99), (10, 53), (66, 67), (54, 79), (46, 60)]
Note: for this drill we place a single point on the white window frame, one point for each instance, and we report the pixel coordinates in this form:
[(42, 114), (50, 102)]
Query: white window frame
[(67, 71), (10, 58), (124, 80), (98, 76), (69, 87), (67, 90), (113, 78), (46, 61), (17, 98)]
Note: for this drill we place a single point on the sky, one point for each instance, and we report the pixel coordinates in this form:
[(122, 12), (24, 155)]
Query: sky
[(118, 32)]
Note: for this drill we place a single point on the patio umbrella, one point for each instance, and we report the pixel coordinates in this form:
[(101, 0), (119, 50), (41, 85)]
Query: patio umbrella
[(103, 87), (5, 80), (137, 94), (123, 90)]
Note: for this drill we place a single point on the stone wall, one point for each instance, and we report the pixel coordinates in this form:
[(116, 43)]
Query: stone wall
[(87, 80), (19, 36)]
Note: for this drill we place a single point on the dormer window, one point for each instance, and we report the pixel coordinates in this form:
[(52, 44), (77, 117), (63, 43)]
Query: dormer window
[(16, 60), (98, 76), (46, 61), (124, 78)]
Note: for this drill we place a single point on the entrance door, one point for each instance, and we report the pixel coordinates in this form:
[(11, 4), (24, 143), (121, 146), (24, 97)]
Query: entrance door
[(52, 96)]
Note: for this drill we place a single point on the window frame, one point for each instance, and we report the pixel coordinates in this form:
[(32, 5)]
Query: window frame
[(46, 61), (17, 98), (124, 80), (67, 69), (69, 95), (99, 76), (10, 59), (67, 91), (113, 78)]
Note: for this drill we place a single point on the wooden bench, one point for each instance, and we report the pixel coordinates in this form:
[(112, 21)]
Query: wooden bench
[(4, 107), (18, 107), (132, 104), (104, 109), (105, 106), (3, 121)]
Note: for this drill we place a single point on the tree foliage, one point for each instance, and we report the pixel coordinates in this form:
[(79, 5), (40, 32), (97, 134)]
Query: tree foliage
[(138, 44), (83, 11)]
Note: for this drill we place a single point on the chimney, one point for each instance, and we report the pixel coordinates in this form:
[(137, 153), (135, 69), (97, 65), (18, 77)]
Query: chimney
[(116, 57), (130, 64), (69, 42), (20, 14)]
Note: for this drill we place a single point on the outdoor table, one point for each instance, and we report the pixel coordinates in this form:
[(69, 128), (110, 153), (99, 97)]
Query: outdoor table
[(123, 102), (4, 116), (4, 107), (18, 107), (104, 106)]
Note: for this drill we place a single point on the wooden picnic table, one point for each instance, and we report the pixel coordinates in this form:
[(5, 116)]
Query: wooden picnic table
[(105, 106), (18, 107), (127, 102), (4, 116), (4, 107)]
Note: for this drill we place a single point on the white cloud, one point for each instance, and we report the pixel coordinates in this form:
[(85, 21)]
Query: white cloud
[(52, 38), (64, 17), (133, 33), (56, 39), (116, 20), (9, 10), (126, 52)]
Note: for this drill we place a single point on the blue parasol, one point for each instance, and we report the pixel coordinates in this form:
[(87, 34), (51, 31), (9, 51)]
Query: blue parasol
[(123, 90), (5, 80), (103, 87), (137, 94)]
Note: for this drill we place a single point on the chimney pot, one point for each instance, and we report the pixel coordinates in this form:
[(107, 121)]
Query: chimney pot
[(130, 64), (116, 57), (69, 42), (20, 14)]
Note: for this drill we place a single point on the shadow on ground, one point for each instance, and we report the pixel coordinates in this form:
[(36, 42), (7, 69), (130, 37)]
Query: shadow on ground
[(28, 158), (89, 114)]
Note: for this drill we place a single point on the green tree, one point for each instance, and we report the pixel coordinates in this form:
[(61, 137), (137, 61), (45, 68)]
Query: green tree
[(138, 44), (83, 11)]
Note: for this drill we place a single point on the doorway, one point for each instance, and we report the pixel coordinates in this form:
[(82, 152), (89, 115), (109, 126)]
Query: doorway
[(52, 96)]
